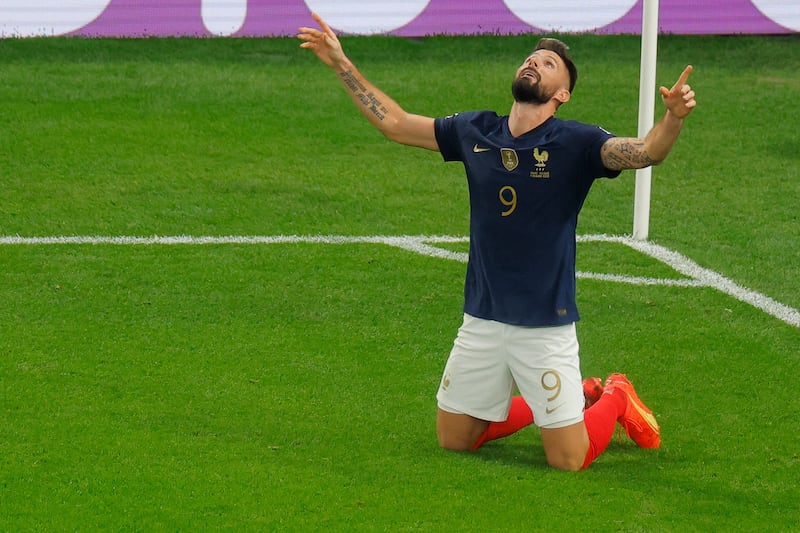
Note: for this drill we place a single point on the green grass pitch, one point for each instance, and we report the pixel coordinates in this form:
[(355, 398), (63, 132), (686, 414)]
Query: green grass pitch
[(291, 386)]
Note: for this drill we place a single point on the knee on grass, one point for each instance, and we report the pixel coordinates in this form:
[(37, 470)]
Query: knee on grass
[(567, 462), (456, 443)]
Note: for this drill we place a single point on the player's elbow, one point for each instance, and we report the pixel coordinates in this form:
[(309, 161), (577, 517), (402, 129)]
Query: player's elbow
[(648, 157), (390, 127), (392, 134), (411, 130)]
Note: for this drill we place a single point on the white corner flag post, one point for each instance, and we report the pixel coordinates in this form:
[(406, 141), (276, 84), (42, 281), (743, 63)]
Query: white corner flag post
[(647, 101)]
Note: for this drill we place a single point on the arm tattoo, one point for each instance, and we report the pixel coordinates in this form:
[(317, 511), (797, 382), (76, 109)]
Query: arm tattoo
[(621, 153), (367, 98)]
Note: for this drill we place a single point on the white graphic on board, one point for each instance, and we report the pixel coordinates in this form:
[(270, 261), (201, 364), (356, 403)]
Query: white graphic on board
[(569, 15), (223, 17), (367, 17), (783, 12), (27, 18)]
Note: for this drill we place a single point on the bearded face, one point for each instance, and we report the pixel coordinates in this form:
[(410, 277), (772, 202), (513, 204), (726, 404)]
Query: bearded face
[(527, 89)]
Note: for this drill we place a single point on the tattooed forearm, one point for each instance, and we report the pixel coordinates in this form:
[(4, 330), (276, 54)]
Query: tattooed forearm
[(371, 103), (351, 82), (626, 153)]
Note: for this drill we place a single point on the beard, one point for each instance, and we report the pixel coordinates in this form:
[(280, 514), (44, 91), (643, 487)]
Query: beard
[(526, 92)]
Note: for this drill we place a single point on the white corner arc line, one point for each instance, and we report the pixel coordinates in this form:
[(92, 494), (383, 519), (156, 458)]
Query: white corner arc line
[(687, 267), (422, 244), (638, 280)]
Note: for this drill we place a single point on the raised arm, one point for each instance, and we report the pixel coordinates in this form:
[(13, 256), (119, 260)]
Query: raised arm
[(382, 112), (621, 153)]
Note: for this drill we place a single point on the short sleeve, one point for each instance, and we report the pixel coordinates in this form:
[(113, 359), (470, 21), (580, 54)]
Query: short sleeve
[(447, 136)]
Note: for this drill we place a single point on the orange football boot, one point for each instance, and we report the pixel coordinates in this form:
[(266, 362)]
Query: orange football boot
[(639, 422)]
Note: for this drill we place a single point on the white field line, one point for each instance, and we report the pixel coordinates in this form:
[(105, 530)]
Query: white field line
[(696, 276)]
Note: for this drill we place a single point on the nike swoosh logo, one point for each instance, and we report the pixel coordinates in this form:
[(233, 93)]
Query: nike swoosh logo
[(478, 150), (550, 411)]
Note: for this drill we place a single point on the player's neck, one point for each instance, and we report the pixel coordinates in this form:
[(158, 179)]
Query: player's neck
[(526, 117)]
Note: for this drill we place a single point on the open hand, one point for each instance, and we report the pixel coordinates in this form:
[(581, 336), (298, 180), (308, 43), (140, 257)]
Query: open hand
[(680, 98), (322, 42)]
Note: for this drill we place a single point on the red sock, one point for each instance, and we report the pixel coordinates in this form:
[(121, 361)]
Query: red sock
[(519, 416), (601, 419)]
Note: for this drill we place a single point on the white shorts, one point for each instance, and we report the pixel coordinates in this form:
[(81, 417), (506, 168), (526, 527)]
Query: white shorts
[(490, 359)]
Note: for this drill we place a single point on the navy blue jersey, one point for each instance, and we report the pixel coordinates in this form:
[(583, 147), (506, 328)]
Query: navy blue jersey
[(525, 196)]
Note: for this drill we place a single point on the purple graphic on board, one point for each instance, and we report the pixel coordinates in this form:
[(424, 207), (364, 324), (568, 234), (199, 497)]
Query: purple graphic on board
[(144, 18)]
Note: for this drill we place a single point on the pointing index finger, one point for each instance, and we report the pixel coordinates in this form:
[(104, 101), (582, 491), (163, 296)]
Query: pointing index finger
[(684, 76)]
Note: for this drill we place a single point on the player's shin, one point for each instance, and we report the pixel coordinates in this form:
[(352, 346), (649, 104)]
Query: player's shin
[(600, 420)]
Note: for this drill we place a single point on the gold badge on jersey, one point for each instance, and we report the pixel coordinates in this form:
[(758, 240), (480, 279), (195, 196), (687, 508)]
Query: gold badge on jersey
[(541, 157), (510, 159)]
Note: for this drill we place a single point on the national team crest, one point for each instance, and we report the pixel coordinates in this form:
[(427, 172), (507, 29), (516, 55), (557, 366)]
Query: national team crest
[(541, 157), (540, 168), (510, 159)]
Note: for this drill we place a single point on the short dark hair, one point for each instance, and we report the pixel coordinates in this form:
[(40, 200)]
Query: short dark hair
[(554, 45)]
